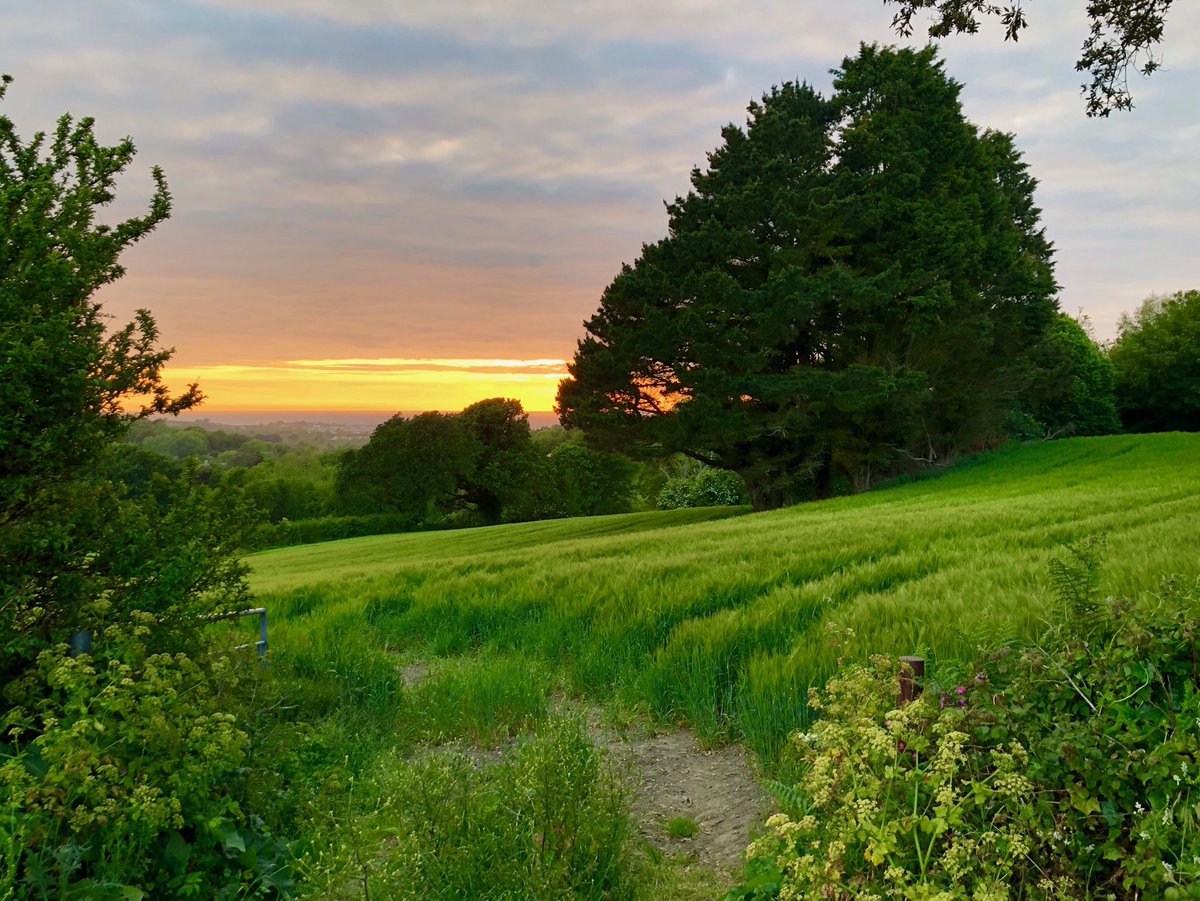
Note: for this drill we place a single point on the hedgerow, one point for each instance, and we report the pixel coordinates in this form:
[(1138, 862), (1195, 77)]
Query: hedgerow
[(1065, 769)]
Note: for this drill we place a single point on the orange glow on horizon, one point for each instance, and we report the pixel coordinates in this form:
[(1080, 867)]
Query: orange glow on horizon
[(371, 384)]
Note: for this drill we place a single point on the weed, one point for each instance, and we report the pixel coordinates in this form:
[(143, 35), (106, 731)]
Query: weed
[(682, 827)]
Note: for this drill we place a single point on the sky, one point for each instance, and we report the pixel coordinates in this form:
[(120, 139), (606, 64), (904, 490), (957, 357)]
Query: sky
[(386, 205)]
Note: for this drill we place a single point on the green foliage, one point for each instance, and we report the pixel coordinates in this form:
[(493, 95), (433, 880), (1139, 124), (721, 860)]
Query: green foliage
[(591, 482), (503, 455), (714, 618), (292, 486), (567, 478), (410, 466), (898, 803), (851, 285), (1074, 392), (439, 462), (139, 472), (179, 444), (1063, 770), (117, 764), (62, 378), (707, 488), (1120, 32), (120, 774), (548, 822), (288, 533), (682, 827), (1157, 361)]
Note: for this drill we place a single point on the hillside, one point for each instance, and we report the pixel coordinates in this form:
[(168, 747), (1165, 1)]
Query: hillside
[(721, 623)]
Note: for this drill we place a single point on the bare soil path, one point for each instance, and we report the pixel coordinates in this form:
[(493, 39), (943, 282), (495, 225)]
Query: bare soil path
[(673, 776)]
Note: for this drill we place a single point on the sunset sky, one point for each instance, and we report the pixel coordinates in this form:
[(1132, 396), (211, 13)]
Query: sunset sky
[(414, 204)]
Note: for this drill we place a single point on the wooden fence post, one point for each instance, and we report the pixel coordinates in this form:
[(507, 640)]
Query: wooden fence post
[(911, 669)]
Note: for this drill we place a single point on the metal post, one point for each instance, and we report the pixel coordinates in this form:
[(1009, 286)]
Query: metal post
[(262, 632), (911, 669)]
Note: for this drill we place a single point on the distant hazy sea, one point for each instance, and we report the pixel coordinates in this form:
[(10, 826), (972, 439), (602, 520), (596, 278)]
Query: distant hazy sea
[(366, 418)]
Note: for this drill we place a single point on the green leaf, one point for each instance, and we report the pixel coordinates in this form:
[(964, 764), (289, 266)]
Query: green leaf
[(229, 836), (177, 851), (1084, 802)]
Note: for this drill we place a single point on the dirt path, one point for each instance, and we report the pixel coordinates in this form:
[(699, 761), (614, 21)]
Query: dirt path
[(672, 777), (675, 777)]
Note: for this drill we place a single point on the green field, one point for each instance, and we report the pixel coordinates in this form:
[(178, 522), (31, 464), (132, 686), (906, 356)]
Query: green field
[(717, 618)]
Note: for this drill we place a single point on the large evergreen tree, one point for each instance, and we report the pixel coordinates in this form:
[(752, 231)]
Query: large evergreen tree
[(852, 281)]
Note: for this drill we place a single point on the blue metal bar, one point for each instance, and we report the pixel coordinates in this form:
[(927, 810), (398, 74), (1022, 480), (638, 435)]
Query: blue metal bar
[(261, 613), (81, 642), (262, 632)]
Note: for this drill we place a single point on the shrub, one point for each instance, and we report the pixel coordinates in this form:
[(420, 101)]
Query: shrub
[(707, 488), (125, 786), (1064, 770), (330, 528), (116, 766)]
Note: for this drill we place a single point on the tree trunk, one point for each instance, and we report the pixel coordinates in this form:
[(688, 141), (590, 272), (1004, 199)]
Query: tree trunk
[(490, 508), (823, 478), (764, 499)]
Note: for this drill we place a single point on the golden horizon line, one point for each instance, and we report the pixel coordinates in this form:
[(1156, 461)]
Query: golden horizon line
[(218, 407), (438, 362), (382, 384), (204, 409), (387, 366)]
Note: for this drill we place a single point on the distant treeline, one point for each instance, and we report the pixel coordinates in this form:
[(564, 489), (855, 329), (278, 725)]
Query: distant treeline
[(429, 471), (485, 465)]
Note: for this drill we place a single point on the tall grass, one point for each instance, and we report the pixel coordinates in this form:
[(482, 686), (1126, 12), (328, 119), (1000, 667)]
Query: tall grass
[(720, 623)]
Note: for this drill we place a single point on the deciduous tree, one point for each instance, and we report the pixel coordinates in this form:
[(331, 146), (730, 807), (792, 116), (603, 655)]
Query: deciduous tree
[(1123, 34), (411, 465), (503, 454), (441, 462), (1157, 361), (69, 386), (1074, 390)]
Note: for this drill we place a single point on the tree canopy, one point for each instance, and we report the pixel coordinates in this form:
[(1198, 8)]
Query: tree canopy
[(69, 386), (1123, 34), (108, 753), (1157, 361), (1073, 391), (440, 462), (410, 465), (499, 428), (852, 281)]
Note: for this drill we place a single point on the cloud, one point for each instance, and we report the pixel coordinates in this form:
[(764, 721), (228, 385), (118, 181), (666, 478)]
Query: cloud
[(419, 179)]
